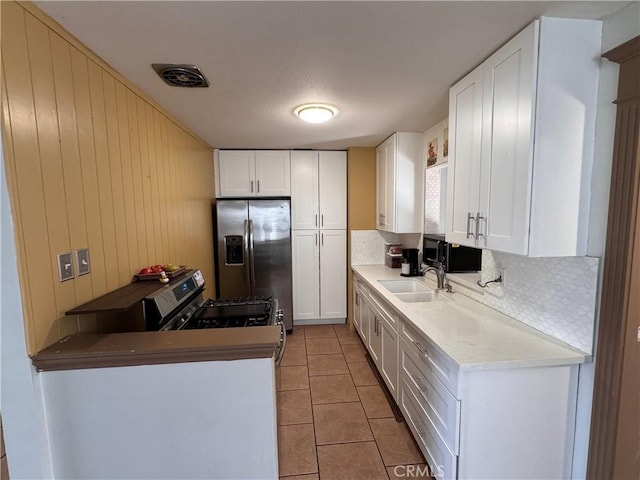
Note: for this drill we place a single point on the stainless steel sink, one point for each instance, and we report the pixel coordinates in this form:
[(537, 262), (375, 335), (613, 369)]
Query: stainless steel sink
[(420, 297), (404, 286)]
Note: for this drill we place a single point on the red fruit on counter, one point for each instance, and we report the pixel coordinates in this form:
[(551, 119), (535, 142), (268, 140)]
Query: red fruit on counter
[(157, 269), (145, 271)]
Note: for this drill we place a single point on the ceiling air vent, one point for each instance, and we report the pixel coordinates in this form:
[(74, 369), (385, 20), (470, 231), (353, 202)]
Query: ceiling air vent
[(188, 76)]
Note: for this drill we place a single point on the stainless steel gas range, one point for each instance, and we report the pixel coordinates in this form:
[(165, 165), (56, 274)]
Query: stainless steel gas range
[(181, 306)]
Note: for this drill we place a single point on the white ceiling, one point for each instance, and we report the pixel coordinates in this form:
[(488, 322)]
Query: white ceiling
[(386, 65)]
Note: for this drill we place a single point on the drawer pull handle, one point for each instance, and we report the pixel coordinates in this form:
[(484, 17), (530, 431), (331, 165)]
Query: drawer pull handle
[(420, 386), (421, 348), (415, 424)]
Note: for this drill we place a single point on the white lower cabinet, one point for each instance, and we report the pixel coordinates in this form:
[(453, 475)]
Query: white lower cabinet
[(389, 357), (477, 422), (374, 345), (357, 306), (377, 324), (441, 461), (319, 259)]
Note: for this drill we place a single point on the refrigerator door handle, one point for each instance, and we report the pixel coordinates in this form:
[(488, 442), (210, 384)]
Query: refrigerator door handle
[(251, 255), (247, 273)]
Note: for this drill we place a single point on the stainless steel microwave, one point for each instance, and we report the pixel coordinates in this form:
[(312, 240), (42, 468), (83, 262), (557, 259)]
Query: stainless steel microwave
[(456, 258)]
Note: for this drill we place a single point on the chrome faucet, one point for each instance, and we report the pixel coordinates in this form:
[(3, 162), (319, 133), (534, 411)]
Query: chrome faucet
[(441, 275)]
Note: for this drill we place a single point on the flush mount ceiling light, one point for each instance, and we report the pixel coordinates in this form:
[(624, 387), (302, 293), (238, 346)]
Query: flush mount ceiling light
[(316, 112)]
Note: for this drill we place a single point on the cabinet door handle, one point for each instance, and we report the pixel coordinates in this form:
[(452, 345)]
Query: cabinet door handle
[(258, 183), (251, 186), (322, 239), (469, 218), (478, 218), (316, 223), (316, 235), (356, 300), (322, 220)]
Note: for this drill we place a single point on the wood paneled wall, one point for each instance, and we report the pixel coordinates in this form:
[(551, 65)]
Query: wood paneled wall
[(361, 204), (91, 162)]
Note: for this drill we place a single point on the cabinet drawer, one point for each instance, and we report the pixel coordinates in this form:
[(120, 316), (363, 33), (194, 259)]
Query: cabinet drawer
[(387, 310), (441, 407), (443, 367), (443, 463)]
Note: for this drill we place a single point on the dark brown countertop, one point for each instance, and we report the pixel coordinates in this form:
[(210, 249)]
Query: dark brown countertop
[(125, 297), (149, 348)]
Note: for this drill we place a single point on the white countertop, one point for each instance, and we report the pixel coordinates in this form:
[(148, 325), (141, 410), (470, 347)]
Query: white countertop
[(473, 335)]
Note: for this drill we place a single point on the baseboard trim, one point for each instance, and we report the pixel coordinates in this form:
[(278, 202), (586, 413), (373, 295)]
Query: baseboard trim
[(320, 321)]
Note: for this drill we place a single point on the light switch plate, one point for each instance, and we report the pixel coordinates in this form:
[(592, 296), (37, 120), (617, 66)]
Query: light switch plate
[(82, 260), (65, 267)]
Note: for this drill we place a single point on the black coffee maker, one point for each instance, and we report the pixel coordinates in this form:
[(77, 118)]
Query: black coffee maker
[(410, 257)]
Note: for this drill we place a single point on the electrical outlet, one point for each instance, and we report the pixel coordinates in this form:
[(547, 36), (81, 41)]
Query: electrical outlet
[(82, 260), (65, 267)]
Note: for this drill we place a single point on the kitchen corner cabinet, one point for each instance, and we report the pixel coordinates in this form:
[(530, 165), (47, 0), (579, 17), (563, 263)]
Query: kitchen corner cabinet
[(319, 274), (318, 190), (521, 131), (249, 173), (399, 192)]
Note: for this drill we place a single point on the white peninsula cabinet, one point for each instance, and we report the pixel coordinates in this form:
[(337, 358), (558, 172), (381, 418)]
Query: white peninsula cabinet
[(319, 236), (521, 132), (249, 173), (399, 192), (483, 395)]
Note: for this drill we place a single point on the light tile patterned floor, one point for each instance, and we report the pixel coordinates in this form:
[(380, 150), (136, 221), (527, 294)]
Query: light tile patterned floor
[(334, 421)]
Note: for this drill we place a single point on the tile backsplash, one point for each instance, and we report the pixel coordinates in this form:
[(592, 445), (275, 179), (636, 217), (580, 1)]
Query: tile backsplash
[(554, 295), (367, 246), (435, 187)]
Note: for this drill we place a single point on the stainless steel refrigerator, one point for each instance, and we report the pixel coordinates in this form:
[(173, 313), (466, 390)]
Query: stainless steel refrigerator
[(254, 250)]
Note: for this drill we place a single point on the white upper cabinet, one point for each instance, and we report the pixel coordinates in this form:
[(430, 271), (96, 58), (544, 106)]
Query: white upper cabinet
[(463, 189), (399, 192), (318, 190), (333, 189), (521, 131), (305, 203), (248, 173)]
